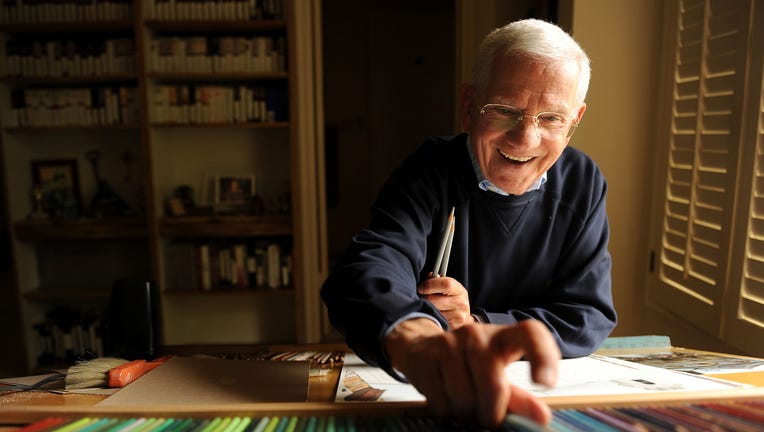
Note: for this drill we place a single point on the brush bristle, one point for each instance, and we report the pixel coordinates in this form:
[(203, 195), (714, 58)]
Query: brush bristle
[(91, 373)]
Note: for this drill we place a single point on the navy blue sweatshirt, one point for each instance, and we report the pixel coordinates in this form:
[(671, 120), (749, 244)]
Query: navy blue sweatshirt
[(540, 255)]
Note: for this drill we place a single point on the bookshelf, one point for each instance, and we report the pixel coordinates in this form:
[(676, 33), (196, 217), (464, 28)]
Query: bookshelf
[(176, 142)]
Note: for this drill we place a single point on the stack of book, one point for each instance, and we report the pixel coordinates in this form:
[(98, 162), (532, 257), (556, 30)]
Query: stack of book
[(205, 104), (31, 12), (217, 54), (68, 334), (224, 266), (76, 106), (68, 58), (189, 10)]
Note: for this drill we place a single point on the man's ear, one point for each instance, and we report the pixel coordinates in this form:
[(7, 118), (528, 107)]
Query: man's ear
[(467, 101), (576, 120), (580, 112)]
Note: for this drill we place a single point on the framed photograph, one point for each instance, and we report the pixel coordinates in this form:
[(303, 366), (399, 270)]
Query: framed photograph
[(57, 187), (233, 190)]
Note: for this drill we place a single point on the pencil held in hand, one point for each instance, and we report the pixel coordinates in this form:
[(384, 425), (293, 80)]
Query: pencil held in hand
[(441, 263)]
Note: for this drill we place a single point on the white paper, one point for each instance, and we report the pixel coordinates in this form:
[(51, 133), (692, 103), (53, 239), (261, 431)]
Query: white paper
[(391, 389), (599, 375), (585, 376)]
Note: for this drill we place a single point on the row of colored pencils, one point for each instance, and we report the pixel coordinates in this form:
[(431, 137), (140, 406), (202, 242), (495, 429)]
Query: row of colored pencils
[(318, 357)]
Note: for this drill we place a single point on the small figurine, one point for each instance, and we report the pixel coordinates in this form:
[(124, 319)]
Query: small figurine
[(38, 212)]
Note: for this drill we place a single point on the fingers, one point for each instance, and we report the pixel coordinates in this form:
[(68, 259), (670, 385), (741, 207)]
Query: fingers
[(523, 403), (462, 372), (441, 285), (533, 340), (506, 344), (458, 382), (487, 373)]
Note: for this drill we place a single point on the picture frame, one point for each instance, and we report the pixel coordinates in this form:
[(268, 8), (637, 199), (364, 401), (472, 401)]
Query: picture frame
[(233, 191), (57, 187)]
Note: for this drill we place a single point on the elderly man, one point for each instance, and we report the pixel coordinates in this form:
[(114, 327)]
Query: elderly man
[(529, 270)]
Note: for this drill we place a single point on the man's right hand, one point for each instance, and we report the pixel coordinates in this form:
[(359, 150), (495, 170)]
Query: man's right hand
[(461, 372)]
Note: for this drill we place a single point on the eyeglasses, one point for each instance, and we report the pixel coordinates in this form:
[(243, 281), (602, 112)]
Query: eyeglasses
[(549, 125)]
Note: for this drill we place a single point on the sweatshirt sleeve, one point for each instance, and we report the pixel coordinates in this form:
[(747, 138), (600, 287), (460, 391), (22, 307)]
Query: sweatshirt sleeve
[(375, 283)]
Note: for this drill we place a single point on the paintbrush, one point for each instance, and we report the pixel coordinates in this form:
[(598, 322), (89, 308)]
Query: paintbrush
[(108, 372)]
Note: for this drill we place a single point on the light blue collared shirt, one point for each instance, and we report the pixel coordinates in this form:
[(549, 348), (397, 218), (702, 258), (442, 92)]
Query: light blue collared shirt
[(486, 185)]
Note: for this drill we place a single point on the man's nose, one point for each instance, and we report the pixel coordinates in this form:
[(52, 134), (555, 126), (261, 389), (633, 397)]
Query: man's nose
[(526, 131)]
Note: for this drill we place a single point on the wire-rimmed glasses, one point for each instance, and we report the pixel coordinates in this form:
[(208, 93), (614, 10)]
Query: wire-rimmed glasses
[(549, 125)]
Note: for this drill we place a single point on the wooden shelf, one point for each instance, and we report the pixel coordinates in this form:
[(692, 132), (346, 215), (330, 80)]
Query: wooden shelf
[(80, 229), (218, 26), (225, 226), (264, 125), (60, 81), (52, 294), (218, 76), (258, 292), (74, 128), (69, 27)]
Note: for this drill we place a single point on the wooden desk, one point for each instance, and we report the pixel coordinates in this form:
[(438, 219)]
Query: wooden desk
[(321, 389), (22, 408)]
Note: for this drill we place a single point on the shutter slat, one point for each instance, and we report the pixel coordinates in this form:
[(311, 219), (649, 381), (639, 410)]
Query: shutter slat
[(717, 143), (686, 107), (707, 233), (679, 190), (725, 20), (676, 207), (706, 271), (712, 161), (692, 14), (679, 175), (688, 88), (675, 239), (756, 249), (756, 226), (706, 252), (722, 103), (674, 257), (752, 311), (712, 179), (691, 284), (709, 215), (753, 287), (709, 196), (723, 84)]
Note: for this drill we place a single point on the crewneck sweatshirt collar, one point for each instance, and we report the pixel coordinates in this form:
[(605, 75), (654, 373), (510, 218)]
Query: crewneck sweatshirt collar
[(486, 185)]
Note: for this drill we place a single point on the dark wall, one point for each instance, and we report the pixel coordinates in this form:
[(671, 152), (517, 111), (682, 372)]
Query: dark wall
[(389, 70)]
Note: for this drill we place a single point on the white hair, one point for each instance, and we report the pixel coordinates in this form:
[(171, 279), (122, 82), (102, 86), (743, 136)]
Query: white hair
[(539, 41)]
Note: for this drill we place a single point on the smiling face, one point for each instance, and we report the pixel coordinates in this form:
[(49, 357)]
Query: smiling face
[(513, 159)]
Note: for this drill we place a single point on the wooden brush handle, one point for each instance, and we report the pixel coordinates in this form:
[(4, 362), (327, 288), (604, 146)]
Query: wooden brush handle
[(121, 376)]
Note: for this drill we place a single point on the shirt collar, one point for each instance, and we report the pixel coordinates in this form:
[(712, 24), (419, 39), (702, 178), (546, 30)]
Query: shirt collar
[(486, 185)]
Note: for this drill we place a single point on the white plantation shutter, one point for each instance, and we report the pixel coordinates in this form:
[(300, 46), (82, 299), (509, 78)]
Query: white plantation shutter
[(744, 324), (704, 159)]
